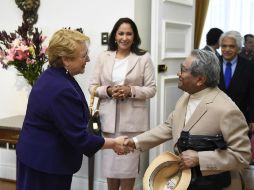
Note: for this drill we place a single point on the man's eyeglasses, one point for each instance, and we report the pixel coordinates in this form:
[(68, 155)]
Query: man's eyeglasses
[(183, 69)]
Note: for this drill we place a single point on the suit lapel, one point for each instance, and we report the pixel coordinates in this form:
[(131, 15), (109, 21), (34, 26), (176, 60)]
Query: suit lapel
[(181, 113), (201, 109), (222, 82), (198, 113), (133, 59), (237, 74), (109, 64)]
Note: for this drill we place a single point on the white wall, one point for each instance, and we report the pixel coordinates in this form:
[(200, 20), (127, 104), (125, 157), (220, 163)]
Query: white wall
[(54, 15), (94, 16)]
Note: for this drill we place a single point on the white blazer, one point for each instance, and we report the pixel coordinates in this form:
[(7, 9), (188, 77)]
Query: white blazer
[(133, 112)]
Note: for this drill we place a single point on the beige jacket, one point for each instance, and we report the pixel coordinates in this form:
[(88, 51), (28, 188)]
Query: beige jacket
[(133, 112), (216, 114)]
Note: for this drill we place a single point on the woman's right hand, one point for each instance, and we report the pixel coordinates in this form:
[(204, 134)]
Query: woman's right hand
[(117, 144), (119, 147)]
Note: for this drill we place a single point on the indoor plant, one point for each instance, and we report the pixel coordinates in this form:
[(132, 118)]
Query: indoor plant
[(24, 50)]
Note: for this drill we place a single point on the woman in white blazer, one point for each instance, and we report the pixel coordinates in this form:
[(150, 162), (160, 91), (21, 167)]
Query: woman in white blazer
[(125, 78)]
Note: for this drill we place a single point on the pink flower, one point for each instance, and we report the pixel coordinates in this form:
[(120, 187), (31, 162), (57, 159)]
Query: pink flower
[(24, 52), (30, 61), (43, 38), (16, 43), (43, 50), (10, 54), (21, 55), (22, 47)]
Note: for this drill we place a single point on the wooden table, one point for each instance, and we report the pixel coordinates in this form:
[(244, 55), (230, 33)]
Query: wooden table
[(10, 128)]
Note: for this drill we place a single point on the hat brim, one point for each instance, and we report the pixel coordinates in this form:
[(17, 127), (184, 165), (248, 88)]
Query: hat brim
[(164, 170)]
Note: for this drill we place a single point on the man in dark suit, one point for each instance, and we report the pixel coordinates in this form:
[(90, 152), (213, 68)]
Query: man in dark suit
[(212, 40), (247, 51), (240, 87)]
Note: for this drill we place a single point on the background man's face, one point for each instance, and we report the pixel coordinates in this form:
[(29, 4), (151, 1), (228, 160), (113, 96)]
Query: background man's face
[(229, 49), (249, 44)]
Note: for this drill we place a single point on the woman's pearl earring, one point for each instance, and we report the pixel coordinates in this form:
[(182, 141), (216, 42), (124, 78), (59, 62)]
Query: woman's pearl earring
[(66, 68)]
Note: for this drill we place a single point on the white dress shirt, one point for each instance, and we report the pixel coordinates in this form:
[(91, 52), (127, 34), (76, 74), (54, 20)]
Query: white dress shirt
[(193, 102)]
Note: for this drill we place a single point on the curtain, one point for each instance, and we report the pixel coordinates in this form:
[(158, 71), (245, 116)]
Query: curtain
[(200, 16), (229, 15)]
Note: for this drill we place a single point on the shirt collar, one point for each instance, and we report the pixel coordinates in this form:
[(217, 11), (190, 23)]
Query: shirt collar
[(233, 61), (210, 47), (200, 94)]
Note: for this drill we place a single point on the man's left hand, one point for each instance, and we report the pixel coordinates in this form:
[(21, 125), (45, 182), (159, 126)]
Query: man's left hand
[(189, 159)]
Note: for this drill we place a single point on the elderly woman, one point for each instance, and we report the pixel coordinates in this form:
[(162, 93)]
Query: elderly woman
[(54, 135)]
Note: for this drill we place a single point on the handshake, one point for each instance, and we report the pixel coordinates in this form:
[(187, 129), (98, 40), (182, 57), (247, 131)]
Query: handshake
[(123, 145)]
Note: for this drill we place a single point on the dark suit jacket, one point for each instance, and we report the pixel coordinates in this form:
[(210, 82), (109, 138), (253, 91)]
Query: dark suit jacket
[(241, 88), (209, 49), (53, 137)]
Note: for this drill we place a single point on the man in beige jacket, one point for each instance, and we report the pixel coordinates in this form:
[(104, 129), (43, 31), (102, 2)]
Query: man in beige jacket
[(207, 111)]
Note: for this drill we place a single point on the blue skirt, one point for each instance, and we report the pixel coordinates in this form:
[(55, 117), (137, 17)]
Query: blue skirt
[(30, 179)]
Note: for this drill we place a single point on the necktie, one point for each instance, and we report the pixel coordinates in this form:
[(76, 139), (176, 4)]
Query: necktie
[(228, 74)]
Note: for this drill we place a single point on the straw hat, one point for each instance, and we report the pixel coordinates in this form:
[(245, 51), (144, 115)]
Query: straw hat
[(164, 174)]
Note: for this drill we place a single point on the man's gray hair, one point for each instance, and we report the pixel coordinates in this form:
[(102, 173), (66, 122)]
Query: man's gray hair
[(206, 63), (234, 35)]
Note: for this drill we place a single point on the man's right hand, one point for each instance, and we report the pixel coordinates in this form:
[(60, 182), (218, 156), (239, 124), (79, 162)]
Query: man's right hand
[(130, 144)]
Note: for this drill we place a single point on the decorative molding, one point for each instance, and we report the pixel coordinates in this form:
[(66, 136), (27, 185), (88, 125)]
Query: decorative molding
[(8, 171), (7, 164), (183, 2), (170, 81), (176, 39), (169, 95)]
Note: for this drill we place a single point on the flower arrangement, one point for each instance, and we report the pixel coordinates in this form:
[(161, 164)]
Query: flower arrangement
[(23, 49)]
